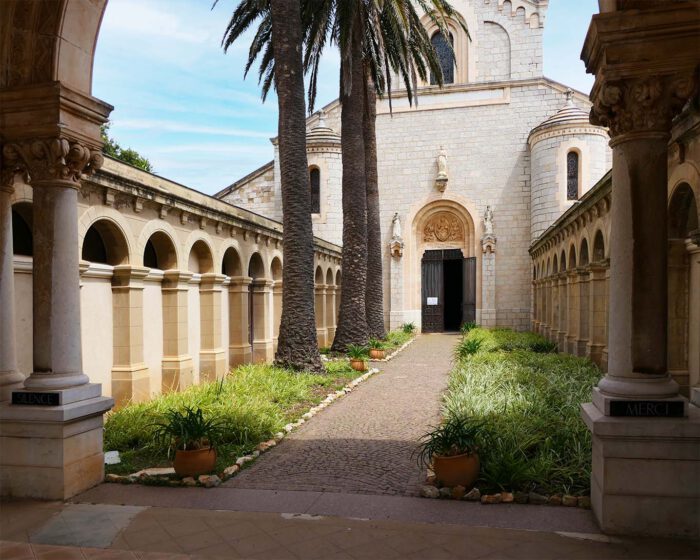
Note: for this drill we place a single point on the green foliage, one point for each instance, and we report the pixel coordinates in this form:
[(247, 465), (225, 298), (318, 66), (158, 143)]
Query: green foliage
[(249, 406), (507, 340), (127, 155), (186, 430), (458, 434), (408, 328), (529, 404), (466, 327), (397, 338), (357, 352), (325, 350), (376, 344), (467, 347)]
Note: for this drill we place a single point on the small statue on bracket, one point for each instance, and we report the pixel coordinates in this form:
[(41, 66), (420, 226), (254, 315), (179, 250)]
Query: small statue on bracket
[(442, 176), (396, 245)]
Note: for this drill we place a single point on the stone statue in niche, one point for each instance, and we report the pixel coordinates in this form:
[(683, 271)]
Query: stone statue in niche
[(396, 245), (442, 176), (488, 240), (442, 227), (488, 221)]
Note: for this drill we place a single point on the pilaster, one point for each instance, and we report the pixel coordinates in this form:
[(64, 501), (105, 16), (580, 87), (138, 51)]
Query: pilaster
[(262, 331), (320, 313), (239, 346), (178, 369), (212, 356), (276, 311), (330, 314)]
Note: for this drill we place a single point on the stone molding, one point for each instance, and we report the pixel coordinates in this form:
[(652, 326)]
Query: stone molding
[(443, 227), (565, 130)]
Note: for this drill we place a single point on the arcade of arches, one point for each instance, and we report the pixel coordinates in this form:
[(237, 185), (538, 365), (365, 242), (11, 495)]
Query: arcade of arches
[(177, 286)]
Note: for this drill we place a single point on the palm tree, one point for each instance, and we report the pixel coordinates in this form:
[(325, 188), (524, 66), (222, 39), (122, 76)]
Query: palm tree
[(297, 345)]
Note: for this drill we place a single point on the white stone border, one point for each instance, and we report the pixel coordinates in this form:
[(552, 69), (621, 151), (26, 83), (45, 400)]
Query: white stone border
[(397, 351)]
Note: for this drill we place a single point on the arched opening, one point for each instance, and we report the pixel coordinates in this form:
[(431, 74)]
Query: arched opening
[(338, 283), (276, 274), (200, 259), (555, 267), (683, 317), (159, 252), (256, 270), (444, 49), (315, 186), (231, 263), (598, 247), (105, 243), (22, 238), (583, 261), (572, 257), (562, 261), (318, 277), (573, 172), (276, 269)]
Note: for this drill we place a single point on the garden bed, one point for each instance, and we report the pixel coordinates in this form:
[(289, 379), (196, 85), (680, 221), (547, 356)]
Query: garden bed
[(528, 397)]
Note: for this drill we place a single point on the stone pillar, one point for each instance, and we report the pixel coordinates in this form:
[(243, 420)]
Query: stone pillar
[(330, 314), (10, 377), (488, 281), (276, 312), (239, 350), (572, 314), (178, 369), (583, 311), (320, 313), (693, 247), (396, 313), (644, 478), (212, 356), (597, 316), (545, 310), (554, 326), (549, 307), (130, 375), (54, 451), (563, 309), (262, 332)]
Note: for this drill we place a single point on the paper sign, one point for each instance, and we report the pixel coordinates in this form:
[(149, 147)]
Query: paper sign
[(432, 301)]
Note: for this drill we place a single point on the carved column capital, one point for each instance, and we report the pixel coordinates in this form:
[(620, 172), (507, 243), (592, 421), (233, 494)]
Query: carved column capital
[(49, 160), (641, 104)]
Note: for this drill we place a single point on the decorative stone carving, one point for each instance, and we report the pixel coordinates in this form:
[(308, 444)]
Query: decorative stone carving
[(488, 240), (641, 104), (442, 227), (488, 221), (442, 176), (53, 159), (396, 245)]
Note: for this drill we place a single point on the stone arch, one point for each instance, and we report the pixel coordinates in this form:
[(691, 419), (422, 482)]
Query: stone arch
[(598, 246), (329, 277), (276, 269), (22, 237), (111, 220), (168, 250), (256, 266), (105, 242), (159, 252), (583, 253), (562, 261), (494, 61), (555, 267), (338, 277), (682, 212), (572, 256), (200, 258), (318, 277), (231, 262), (464, 46)]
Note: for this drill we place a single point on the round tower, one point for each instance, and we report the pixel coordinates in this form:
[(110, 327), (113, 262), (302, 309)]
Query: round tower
[(568, 155)]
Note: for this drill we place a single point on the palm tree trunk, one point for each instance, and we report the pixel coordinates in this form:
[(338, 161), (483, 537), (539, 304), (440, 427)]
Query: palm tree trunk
[(374, 298), (352, 321), (297, 344)]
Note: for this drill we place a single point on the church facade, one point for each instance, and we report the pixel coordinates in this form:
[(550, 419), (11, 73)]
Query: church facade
[(469, 176)]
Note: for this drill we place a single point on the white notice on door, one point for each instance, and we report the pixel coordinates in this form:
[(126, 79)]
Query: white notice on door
[(432, 301)]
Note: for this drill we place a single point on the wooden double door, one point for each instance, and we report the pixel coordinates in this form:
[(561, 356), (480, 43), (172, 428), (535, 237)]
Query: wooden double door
[(448, 290)]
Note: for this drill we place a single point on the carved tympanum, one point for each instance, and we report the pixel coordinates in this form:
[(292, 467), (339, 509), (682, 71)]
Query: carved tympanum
[(642, 104), (442, 227), (54, 159)]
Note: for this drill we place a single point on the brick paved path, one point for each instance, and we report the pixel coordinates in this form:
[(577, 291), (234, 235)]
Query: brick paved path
[(363, 442)]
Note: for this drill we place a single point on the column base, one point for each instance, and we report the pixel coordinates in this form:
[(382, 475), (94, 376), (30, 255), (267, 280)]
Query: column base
[(695, 396), (262, 351), (178, 373), (571, 345), (53, 452), (604, 403), (12, 381), (331, 335), (560, 339), (131, 384), (594, 352), (238, 355), (581, 345), (644, 479), (321, 338), (212, 365)]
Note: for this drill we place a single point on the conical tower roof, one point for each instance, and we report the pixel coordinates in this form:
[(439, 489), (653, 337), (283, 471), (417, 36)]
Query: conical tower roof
[(570, 114), (322, 134)]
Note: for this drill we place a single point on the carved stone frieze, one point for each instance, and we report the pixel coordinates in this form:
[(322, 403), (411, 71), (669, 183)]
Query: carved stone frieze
[(443, 226), (50, 160), (641, 104)]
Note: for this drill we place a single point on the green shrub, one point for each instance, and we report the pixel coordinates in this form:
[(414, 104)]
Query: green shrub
[(408, 328), (458, 434), (466, 327), (357, 352), (507, 340), (467, 347), (397, 338), (529, 403), (376, 344)]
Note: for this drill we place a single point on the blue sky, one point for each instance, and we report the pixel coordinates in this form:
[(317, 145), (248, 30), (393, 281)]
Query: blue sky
[(183, 103)]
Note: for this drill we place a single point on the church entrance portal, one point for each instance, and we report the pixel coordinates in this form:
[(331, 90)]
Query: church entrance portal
[(448, 290)]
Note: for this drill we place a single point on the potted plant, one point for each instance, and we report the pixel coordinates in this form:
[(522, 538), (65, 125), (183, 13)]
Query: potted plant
[(193, 437), (358, 357), (376, 349), (452, 448)]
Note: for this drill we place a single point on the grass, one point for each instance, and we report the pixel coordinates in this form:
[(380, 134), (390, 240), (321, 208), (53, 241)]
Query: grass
[(252, 403), (396, 339), (529, 402)]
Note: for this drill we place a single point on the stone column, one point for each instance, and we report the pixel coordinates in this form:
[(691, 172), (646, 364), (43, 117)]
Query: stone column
[(330, 314), (583, 312), (10, 377), (545, 310), (262, 332), (54, 451), (178, 369), (563, 308), (549, 305), (239, 350), (488, 281), (572, 314), (597, 316), (276, 312), (396, 314), (320, 313), (554, 325), (644, 477), (693, 247), (212, 356), (130, 375)]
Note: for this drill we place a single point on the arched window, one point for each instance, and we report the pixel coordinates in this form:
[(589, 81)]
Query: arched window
[(572, 175), (446, 56), (315, 184)]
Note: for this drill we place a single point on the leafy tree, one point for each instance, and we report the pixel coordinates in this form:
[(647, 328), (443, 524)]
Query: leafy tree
[(127, 155)]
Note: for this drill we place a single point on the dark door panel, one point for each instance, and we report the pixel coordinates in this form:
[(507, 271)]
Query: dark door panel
[(469, 291), (432, 304)]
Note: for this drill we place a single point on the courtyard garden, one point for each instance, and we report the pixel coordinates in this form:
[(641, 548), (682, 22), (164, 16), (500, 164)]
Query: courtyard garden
[(523, 398)]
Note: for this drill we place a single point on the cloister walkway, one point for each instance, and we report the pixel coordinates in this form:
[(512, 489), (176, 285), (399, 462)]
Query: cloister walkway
[(363, 443)]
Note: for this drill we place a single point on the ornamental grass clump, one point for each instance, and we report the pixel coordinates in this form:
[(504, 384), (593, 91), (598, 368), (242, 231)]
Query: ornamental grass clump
[(507, 340), (529, 404)]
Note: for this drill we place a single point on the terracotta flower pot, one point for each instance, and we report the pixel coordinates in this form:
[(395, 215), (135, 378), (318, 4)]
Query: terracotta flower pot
[(459, 470), (195, 462), (377, 353), (358, 365)]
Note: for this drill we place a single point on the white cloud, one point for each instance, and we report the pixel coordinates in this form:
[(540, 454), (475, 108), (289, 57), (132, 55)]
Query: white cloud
[(174, 126)]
